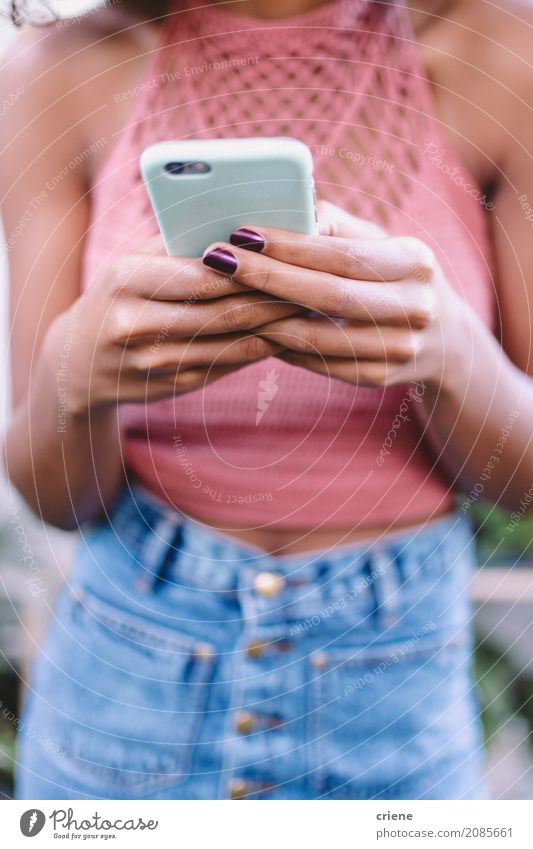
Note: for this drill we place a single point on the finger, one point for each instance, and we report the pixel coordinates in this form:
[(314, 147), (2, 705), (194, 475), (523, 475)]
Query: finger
[(384, 259), (197, 378), (227, 350), (362, 373), (156, 323), (164, 278), (232, 314), (189, 380), (157, 388), (328, 338), (171, 357), (404, 303)]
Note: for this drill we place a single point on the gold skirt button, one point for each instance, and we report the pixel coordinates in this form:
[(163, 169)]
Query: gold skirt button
[(269, 584), (238, 788), (255, 649), (244, 722)]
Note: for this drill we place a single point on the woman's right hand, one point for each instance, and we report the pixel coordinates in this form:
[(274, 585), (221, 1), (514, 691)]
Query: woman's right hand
[(153, 326)]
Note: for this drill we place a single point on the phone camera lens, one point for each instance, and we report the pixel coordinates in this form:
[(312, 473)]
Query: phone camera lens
[(175, 167), (178, 168)]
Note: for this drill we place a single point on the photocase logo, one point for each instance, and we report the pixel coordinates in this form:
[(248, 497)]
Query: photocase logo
[(32, 822), (268, 389)]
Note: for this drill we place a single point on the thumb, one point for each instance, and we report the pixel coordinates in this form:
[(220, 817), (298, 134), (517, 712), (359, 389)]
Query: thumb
[(334, 221)]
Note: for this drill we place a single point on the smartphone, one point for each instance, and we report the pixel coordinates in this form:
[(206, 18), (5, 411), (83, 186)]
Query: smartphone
[(202, 191)]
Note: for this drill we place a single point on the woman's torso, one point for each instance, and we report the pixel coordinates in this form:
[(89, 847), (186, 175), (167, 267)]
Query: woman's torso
[(391, 163)]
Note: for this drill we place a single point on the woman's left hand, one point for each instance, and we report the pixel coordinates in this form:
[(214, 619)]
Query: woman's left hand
[(384, 312)]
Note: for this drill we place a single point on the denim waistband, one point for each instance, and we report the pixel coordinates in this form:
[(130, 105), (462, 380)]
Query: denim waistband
[(160, 538)]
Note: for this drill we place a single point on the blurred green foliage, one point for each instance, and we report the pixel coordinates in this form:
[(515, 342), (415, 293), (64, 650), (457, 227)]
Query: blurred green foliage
[(499, 539), (7, 757), (8, 703), (502, 692)]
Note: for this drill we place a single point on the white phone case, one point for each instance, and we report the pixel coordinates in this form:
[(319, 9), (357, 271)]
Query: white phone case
[(261, 181)]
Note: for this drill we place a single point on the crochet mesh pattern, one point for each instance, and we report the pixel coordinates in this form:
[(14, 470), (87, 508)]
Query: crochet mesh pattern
[(346, 80)]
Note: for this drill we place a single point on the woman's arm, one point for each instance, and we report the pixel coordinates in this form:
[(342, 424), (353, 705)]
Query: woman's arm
[(45, 222), (401, 322), (469, 416), (77, 357), (482, 62)]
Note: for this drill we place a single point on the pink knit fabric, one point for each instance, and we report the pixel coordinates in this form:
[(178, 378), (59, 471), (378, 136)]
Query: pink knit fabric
[(273, 444)]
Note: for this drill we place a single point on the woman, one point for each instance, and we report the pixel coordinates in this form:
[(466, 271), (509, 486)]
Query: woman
[(270, 599)]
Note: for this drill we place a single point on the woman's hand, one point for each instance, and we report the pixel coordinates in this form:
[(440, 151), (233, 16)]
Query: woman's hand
[(152, 326), (383, 312)]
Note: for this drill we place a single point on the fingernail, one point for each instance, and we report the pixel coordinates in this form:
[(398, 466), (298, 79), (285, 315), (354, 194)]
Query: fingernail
[(249, 239), (221, 260)]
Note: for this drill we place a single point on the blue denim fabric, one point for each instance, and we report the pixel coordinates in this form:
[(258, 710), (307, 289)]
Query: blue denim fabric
[(183, 665)]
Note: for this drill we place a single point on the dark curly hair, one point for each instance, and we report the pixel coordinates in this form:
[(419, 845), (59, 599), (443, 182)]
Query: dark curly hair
[(18, 12), (151, 8), (148, 9)]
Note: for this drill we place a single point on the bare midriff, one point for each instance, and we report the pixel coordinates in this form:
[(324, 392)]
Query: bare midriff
[(281, 541)]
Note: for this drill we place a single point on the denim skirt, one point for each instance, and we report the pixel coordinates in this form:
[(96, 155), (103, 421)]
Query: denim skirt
[(181, 664)]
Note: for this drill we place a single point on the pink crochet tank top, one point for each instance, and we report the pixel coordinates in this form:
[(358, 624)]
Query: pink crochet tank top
[(273, 444)]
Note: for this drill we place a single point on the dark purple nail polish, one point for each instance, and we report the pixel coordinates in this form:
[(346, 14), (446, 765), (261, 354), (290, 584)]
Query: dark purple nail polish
[(244, 238), (221, 260)]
